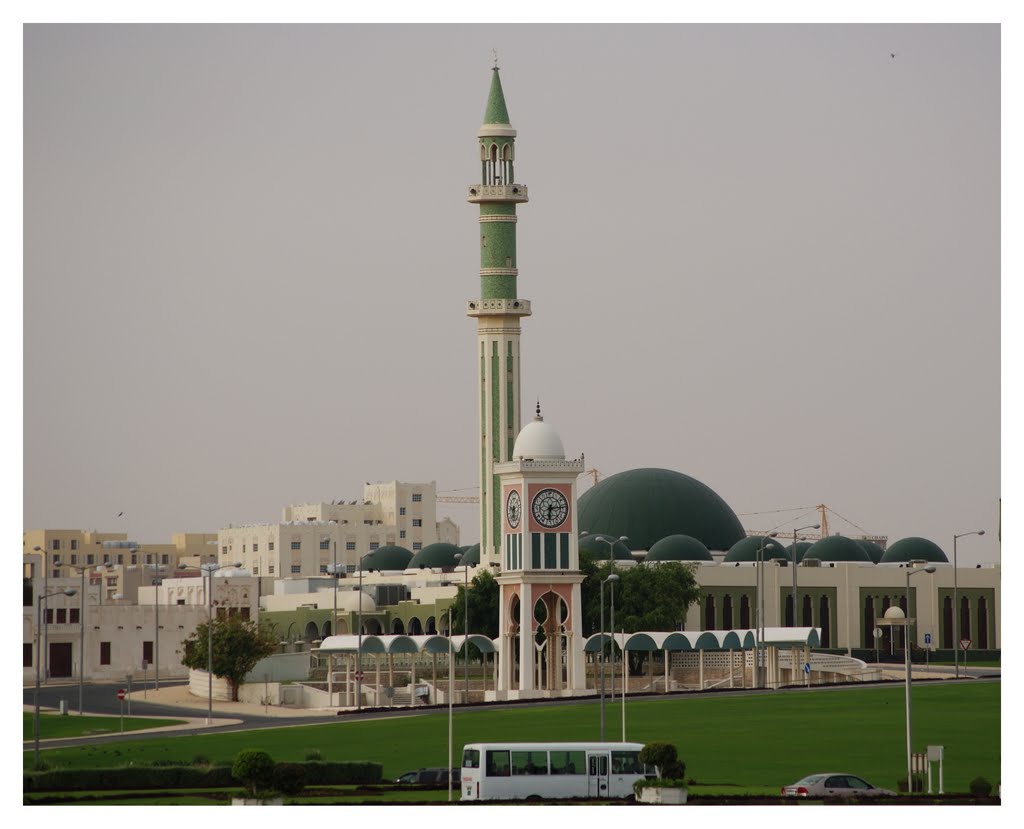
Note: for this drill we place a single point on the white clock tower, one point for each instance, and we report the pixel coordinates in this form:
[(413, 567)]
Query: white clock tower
[(540, 621)]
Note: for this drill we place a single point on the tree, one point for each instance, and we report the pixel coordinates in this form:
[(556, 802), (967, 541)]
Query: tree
[(254, 769), (484, 595), (238, 644)]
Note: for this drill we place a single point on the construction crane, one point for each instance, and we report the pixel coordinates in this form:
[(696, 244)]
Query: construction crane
[(596, 473), (823, 511)]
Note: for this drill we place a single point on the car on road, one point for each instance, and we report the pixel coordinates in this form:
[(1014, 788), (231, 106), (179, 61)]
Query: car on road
[(833, 784), (429, 777)]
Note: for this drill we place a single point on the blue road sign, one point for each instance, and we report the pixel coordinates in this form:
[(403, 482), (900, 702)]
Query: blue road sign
[(807, 667), (927, 638)]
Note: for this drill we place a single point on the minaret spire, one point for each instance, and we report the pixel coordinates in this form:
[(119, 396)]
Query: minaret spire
[(499, 309)]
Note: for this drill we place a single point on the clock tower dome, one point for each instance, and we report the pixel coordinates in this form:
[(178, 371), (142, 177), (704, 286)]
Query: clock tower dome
[(540, 618)]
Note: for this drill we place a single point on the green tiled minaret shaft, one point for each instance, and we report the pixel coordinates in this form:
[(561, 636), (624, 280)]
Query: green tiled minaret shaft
[(498, 310)]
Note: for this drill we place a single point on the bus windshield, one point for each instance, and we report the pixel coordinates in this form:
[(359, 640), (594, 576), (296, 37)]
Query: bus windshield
[(471, 758)]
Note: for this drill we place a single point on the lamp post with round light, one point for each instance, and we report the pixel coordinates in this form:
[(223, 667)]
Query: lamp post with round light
[(956, 609), (930, 568), (211, 568), (81, 568), (798, 529), (760, 609), (68, 591), (611, 578), (46, 588)]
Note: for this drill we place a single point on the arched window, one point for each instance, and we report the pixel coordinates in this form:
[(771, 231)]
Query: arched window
[(901, 637), (312, 632), (965, 618), (826, 623), (709, 613), (430, 626), (806, 612), (982, 623), (415, 628), (744, 612), (727, 612), (886, 629), (947, 623), (869, 623), (325, 631), (397, 627), (789, 610)]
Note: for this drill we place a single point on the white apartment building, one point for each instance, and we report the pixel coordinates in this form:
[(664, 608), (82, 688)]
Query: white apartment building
[(310, 536)]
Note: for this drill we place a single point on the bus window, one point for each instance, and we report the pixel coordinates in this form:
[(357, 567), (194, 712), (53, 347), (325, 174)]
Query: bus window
[(471, 759), (497, 764), (568, 762), (599, 765), (626, 762), (529, 762)]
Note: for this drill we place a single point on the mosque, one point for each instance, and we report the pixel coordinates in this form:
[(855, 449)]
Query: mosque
[(531, 523)]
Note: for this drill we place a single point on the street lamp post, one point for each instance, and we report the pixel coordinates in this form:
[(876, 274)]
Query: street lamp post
[(46, 589), (81, 568), (68, 591), (612, 578), (451, 666), (465, 628), (906, 651), (956, 609), (760, 609), (798, 529), (359, 646), (210, 568), (157, 581)]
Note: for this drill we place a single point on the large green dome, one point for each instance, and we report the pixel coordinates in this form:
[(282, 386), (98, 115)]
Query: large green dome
[(598, 550), (875, 552), (470, 555), (440, 554), (389, 557), (648, 504), (837, 548), (746, 549), (914, 549), (678, 548), (801, 548)]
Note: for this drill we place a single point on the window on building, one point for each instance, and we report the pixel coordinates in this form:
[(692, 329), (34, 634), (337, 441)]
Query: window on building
[(181, 601), (416, 496), (256, 570), (244, 613), (62, 616), (417, 522), (374, 545), (74, 559), (243, 548), (165, 558), (350, 545), (296, 545), (90, 558), (147, 652), (270, 569), (55, 545), (401, 533), (325, 544), (401, 510), (255, 547), (48, 616), (26, 655), (417, 545), (106, 558), (73, 616), (135, 559), (270, 546), (120, 558), (26, 594), (368, 521), (55, 574), (323, 569), (56, 560), (112, 581), (223, 550), (74, 544), (296, 568), (104, 653)]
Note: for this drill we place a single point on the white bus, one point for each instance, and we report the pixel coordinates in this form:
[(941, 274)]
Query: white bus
[(523, 771)]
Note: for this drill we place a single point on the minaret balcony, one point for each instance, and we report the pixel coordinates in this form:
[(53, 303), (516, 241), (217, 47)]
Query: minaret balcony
[(498, 308), (479, 193)]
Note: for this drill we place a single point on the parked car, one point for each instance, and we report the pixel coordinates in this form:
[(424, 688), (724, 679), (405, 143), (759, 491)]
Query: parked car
[(429, 777), (833, 784)]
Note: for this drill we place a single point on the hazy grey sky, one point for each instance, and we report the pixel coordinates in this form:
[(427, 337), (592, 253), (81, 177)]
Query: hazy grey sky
[(765, 256)]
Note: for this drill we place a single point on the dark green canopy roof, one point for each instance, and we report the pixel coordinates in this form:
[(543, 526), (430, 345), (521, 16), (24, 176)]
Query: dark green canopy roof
[(648, 504), (746, 549), (678, 548), (440, 554), (598, 550), (390, 557), (914, 549), (875, 553), (837, 548)]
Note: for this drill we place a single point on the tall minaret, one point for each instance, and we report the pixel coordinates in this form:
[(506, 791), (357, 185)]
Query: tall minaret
[(497, 311)]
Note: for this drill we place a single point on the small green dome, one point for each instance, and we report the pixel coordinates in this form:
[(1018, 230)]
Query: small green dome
[(837, 548), (648, 504), (875, 553), (470, 556), (390, 557), (801, 548), (440, 554), (678, 548), (914, 549), (746, 549), (598, 550)]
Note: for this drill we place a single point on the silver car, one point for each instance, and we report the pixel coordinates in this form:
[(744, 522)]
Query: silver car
[(833, 784)]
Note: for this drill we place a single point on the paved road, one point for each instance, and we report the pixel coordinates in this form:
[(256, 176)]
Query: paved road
[(102, 698)]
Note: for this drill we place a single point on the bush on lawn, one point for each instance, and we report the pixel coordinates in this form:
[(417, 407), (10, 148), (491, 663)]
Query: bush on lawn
[(186, 777), (288, 778), (918, 783), (980, 787), (253, 769)]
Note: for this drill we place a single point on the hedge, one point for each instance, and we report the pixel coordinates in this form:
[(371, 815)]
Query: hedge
[(187, 777)]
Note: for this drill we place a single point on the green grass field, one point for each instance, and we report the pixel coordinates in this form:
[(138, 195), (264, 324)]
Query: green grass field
[(54, 725), (753, 742)]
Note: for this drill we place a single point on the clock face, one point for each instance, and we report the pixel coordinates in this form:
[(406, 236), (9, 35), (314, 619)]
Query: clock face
[(550, 508), (514, 508)]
